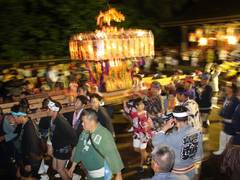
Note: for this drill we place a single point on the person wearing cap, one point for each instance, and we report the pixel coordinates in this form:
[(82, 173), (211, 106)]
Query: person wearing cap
[(9, 139), (189, 86), (153, 100), (192, 106), (226, 113), (163, 158), (62, 139), (9, 125), (185, 140), (31, 149), (203, 98), (96, 146)]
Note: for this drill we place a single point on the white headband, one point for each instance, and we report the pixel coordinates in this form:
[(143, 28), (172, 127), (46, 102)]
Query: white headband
[(52, 106), (180, 115)]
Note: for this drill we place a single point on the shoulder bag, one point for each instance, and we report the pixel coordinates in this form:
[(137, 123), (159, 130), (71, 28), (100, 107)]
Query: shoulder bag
[(107, 170)]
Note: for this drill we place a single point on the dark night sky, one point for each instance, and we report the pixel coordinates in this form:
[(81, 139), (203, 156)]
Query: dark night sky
[(46, 25), (209, 8)]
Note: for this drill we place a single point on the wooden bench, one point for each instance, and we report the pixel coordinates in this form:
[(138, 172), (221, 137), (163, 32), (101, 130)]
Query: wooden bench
[(35, 103), (112, 98)]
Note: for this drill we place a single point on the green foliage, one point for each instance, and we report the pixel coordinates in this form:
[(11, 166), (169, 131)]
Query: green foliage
[(33, 29)]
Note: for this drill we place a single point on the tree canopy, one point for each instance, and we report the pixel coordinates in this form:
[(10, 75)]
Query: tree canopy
[(40, 29)]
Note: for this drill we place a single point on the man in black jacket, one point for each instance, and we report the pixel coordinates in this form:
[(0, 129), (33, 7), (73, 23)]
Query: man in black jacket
[(30, 146), (76, 121), (63, 138), (74, 118), (103, 115), (203, 98)]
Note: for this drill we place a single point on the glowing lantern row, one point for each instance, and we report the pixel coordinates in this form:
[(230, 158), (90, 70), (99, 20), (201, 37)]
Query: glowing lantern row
[(232, 40), (212, 34), (117, 44), (110, 42)]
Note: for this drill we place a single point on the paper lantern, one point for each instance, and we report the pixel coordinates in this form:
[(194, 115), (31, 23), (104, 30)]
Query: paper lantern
[(110, 42), (103, 45)]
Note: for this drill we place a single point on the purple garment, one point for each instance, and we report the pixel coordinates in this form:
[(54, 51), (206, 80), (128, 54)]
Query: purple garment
[(76, 121)]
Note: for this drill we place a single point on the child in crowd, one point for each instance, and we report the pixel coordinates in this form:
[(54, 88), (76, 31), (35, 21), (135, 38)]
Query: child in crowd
[(142, 125)]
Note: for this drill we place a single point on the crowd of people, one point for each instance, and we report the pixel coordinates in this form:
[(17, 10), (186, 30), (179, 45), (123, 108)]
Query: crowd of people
[(177, 115), (171, 121), (26, 142), (22, 80)]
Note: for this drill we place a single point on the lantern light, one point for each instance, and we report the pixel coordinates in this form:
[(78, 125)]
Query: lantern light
[(199, 32), (232, 40), (111, 48), (110, 42), (202, 41), (192, 37), (140, 33), (230, 31)]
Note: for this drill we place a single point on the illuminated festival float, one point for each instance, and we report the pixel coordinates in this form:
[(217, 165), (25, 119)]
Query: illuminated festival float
[(109, 51)]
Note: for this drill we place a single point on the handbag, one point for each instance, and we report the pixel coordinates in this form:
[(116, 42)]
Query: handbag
[(107, 170)]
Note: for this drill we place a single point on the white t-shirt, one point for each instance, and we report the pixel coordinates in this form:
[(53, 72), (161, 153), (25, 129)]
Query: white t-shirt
[(214, 82)]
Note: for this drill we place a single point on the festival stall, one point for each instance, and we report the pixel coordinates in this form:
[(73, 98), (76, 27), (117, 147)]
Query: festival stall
[(109, 51)]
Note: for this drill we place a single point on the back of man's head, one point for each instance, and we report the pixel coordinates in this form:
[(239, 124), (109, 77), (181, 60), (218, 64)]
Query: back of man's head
[(164, 157), (180, 113)]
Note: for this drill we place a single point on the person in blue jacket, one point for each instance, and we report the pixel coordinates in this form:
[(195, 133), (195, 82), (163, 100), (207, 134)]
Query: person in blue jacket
[(229, 106), (185, 140), (203, 98)]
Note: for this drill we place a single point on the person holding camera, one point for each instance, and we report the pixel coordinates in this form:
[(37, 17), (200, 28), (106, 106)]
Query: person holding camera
[(185, 140)]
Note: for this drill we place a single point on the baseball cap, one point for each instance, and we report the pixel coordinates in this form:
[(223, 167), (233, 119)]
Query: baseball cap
[(205, 76), (156, 84)]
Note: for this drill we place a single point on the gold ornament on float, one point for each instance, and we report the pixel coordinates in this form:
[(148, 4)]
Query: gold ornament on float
[(111, 42), (108, 50)]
